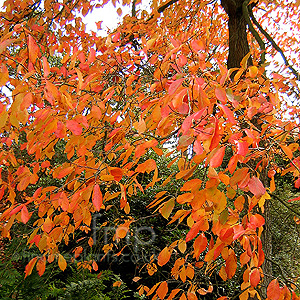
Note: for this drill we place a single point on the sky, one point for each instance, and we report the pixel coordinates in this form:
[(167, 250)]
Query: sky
[(107, 14)]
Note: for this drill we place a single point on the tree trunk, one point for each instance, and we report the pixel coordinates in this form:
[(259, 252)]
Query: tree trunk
[(238, 49), (238, 43)]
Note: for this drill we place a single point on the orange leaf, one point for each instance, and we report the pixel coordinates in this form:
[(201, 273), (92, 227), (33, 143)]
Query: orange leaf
[(162, 290), (41, 266), (175, 85), (253, 71), (97, 197), (200, 245), (95, 266), (46, 67), (63, 172), (191, 296), (287, 151), (62, 262), (184, 198), (173, 294), (273, 290), (78, 251), (200, 225), (29, 267), (33, 49), (48, 225), (119, 11), (148, 166), (164, 256), (231, 265)]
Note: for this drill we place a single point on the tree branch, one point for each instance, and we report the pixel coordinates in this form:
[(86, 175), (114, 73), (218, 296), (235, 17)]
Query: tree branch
[(254, 32), (287, 206), (163, 7), (275, 46), (166, 5), (133, 10)]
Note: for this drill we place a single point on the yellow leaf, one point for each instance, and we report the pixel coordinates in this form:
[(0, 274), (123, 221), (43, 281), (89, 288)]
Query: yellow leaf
[(3, 119), (253, 71), (182, 246), (167, 208), (62, 262), (245, 60)]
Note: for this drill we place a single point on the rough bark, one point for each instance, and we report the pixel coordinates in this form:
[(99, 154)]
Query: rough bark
[(238, 43)]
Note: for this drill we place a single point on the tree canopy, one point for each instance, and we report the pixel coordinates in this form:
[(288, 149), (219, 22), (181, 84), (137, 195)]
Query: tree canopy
[(85, 120)]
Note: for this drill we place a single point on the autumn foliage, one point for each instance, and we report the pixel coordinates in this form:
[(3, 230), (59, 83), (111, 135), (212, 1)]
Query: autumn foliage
[(161, 76)]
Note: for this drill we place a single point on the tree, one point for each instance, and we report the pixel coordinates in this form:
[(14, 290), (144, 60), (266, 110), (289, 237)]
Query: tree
[(108, 102)]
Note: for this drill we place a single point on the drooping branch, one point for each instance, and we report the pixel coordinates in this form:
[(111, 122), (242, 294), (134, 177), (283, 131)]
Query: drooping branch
[(273, 43)]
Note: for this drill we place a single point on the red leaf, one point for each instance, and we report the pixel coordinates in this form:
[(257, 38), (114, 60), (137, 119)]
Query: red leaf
[(294, 199), (182, 60), (256, 187), (175, 85), (97, 197), (273, 290), (221, 94), (228, 113), (254, 277), (24, 215), (242, 148), (60, 130), (16, 209), (200, 225), (297, 185), (117, 173), (74, 127), (198, 45), (256, 221), (116, 37), (217, 158)]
